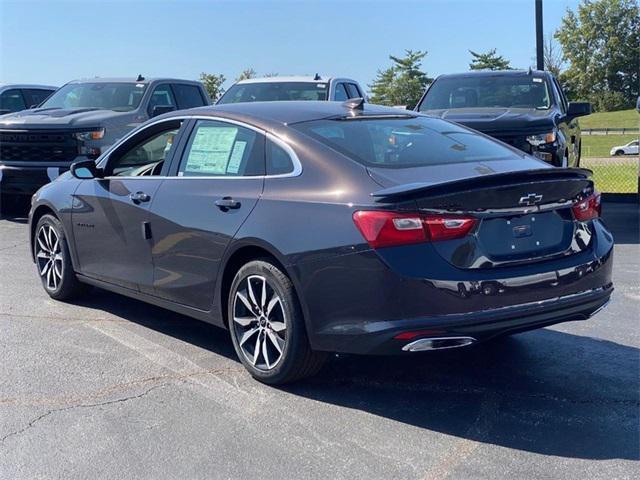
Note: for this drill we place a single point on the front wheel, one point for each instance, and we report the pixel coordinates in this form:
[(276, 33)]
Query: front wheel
[(267, 327), (619, 153), (54, 261)]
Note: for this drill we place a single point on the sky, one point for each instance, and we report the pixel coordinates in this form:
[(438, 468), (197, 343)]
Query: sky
[(54, 41)]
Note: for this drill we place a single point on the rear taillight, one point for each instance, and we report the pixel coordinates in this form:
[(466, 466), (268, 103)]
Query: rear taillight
[(587, 209), (388, 229)]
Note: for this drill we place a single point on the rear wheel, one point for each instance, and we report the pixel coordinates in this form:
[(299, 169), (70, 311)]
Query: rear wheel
[(54, 261), (267, 326)]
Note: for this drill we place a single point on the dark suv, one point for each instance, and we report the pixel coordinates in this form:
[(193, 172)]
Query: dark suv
[(79, 122), (526, 109)]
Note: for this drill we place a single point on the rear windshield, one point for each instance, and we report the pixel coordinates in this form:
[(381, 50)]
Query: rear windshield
[(120, 97), (507, 91), (274, 91), (404, 142)]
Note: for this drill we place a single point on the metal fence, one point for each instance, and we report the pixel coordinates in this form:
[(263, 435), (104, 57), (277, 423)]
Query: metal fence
[(610, 131), (619, 175)]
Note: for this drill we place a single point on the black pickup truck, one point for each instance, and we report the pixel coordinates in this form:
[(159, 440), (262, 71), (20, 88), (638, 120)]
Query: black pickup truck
[(80, 121), (526, 109)]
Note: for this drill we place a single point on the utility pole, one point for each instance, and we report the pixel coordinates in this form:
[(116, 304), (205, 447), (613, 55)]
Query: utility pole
[(539, 39)]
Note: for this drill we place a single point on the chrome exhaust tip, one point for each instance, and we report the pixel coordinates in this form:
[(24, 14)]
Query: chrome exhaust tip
[(440, 343)]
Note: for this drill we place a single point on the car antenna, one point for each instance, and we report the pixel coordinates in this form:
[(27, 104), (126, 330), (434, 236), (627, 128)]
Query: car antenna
[(530, 71), (140, 78), (317, 77), (354, 104)]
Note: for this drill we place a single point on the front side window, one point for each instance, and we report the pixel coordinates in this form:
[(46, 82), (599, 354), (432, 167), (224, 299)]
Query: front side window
[(145, 157), (188, 96), (353, 90), (222, 149), (508, 91), (341, 93), (162, 96), (120, 97), (404, 142), (275, 91), (12, 100)]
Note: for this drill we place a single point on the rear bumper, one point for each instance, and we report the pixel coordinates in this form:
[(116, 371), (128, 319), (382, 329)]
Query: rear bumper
[(27, 179), (480, 326), (358, 303)]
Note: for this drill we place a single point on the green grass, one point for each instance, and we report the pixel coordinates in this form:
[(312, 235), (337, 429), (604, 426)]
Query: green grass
[(615, 178), (619, 119), (600, 145)]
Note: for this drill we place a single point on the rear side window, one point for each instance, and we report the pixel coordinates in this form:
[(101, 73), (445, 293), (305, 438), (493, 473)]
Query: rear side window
[(223, 149), (36, 96), (275, 91), (12, 100), (278, 160), (404, 142), (188, 96)]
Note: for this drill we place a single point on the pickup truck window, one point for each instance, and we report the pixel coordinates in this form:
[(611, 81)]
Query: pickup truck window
[(188, 96), (35, 96), (272, 91), (488, 92), (120, 97), (162, 96), (353, 91), (12, 100), (341, 93)]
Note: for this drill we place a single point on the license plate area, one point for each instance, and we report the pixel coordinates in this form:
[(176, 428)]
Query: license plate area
[(525, 236)]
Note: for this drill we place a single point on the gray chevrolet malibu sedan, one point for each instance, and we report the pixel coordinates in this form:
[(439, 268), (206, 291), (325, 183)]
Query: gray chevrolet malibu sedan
[(312, 227)]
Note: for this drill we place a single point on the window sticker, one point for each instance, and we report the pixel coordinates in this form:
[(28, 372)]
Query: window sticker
[(236, 157), (210, 150)]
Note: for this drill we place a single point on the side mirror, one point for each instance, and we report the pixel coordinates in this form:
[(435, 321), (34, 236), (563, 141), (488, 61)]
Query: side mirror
[(578, 109), (160, 109), (85, 170)]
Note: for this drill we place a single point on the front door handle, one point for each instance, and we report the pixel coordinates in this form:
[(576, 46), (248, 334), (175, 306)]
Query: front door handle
[(227, 203), (139, 197)]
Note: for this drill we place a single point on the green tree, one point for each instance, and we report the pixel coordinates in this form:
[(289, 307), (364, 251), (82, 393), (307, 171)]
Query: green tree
[(488, 61), (213, 84), (246, 74), (601, 42), (403, 83)]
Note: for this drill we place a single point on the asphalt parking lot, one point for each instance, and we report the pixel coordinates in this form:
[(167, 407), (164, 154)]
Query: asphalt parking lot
[(113, 388)]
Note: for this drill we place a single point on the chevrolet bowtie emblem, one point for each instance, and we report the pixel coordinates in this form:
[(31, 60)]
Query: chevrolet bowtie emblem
[(531, 199)]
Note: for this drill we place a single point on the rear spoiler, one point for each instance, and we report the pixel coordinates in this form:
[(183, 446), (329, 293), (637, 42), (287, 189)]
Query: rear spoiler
[(483, 181)]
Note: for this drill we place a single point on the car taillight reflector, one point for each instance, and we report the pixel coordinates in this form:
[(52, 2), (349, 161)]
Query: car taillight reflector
[(388, 229), (588, 209)]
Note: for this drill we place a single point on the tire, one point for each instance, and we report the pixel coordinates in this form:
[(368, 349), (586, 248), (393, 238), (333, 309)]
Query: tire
[(267, 326), (53, 260), (619, 153)]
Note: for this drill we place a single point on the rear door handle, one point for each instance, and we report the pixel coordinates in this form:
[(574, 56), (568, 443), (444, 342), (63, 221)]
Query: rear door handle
[(227, 203), (139, 197)]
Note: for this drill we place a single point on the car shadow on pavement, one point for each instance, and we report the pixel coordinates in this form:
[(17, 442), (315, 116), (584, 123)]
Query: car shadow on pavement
[(545, 391)]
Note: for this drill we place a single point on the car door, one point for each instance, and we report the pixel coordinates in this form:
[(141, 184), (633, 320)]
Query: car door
[(212, 188), (110, 215)]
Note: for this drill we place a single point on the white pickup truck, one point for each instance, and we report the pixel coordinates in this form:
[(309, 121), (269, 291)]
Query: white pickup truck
[(268, 89)]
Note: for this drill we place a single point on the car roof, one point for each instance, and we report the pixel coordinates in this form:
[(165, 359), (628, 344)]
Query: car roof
[(495, 73), (269, 115), (133, 80), (4, 86), (292, 78)]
